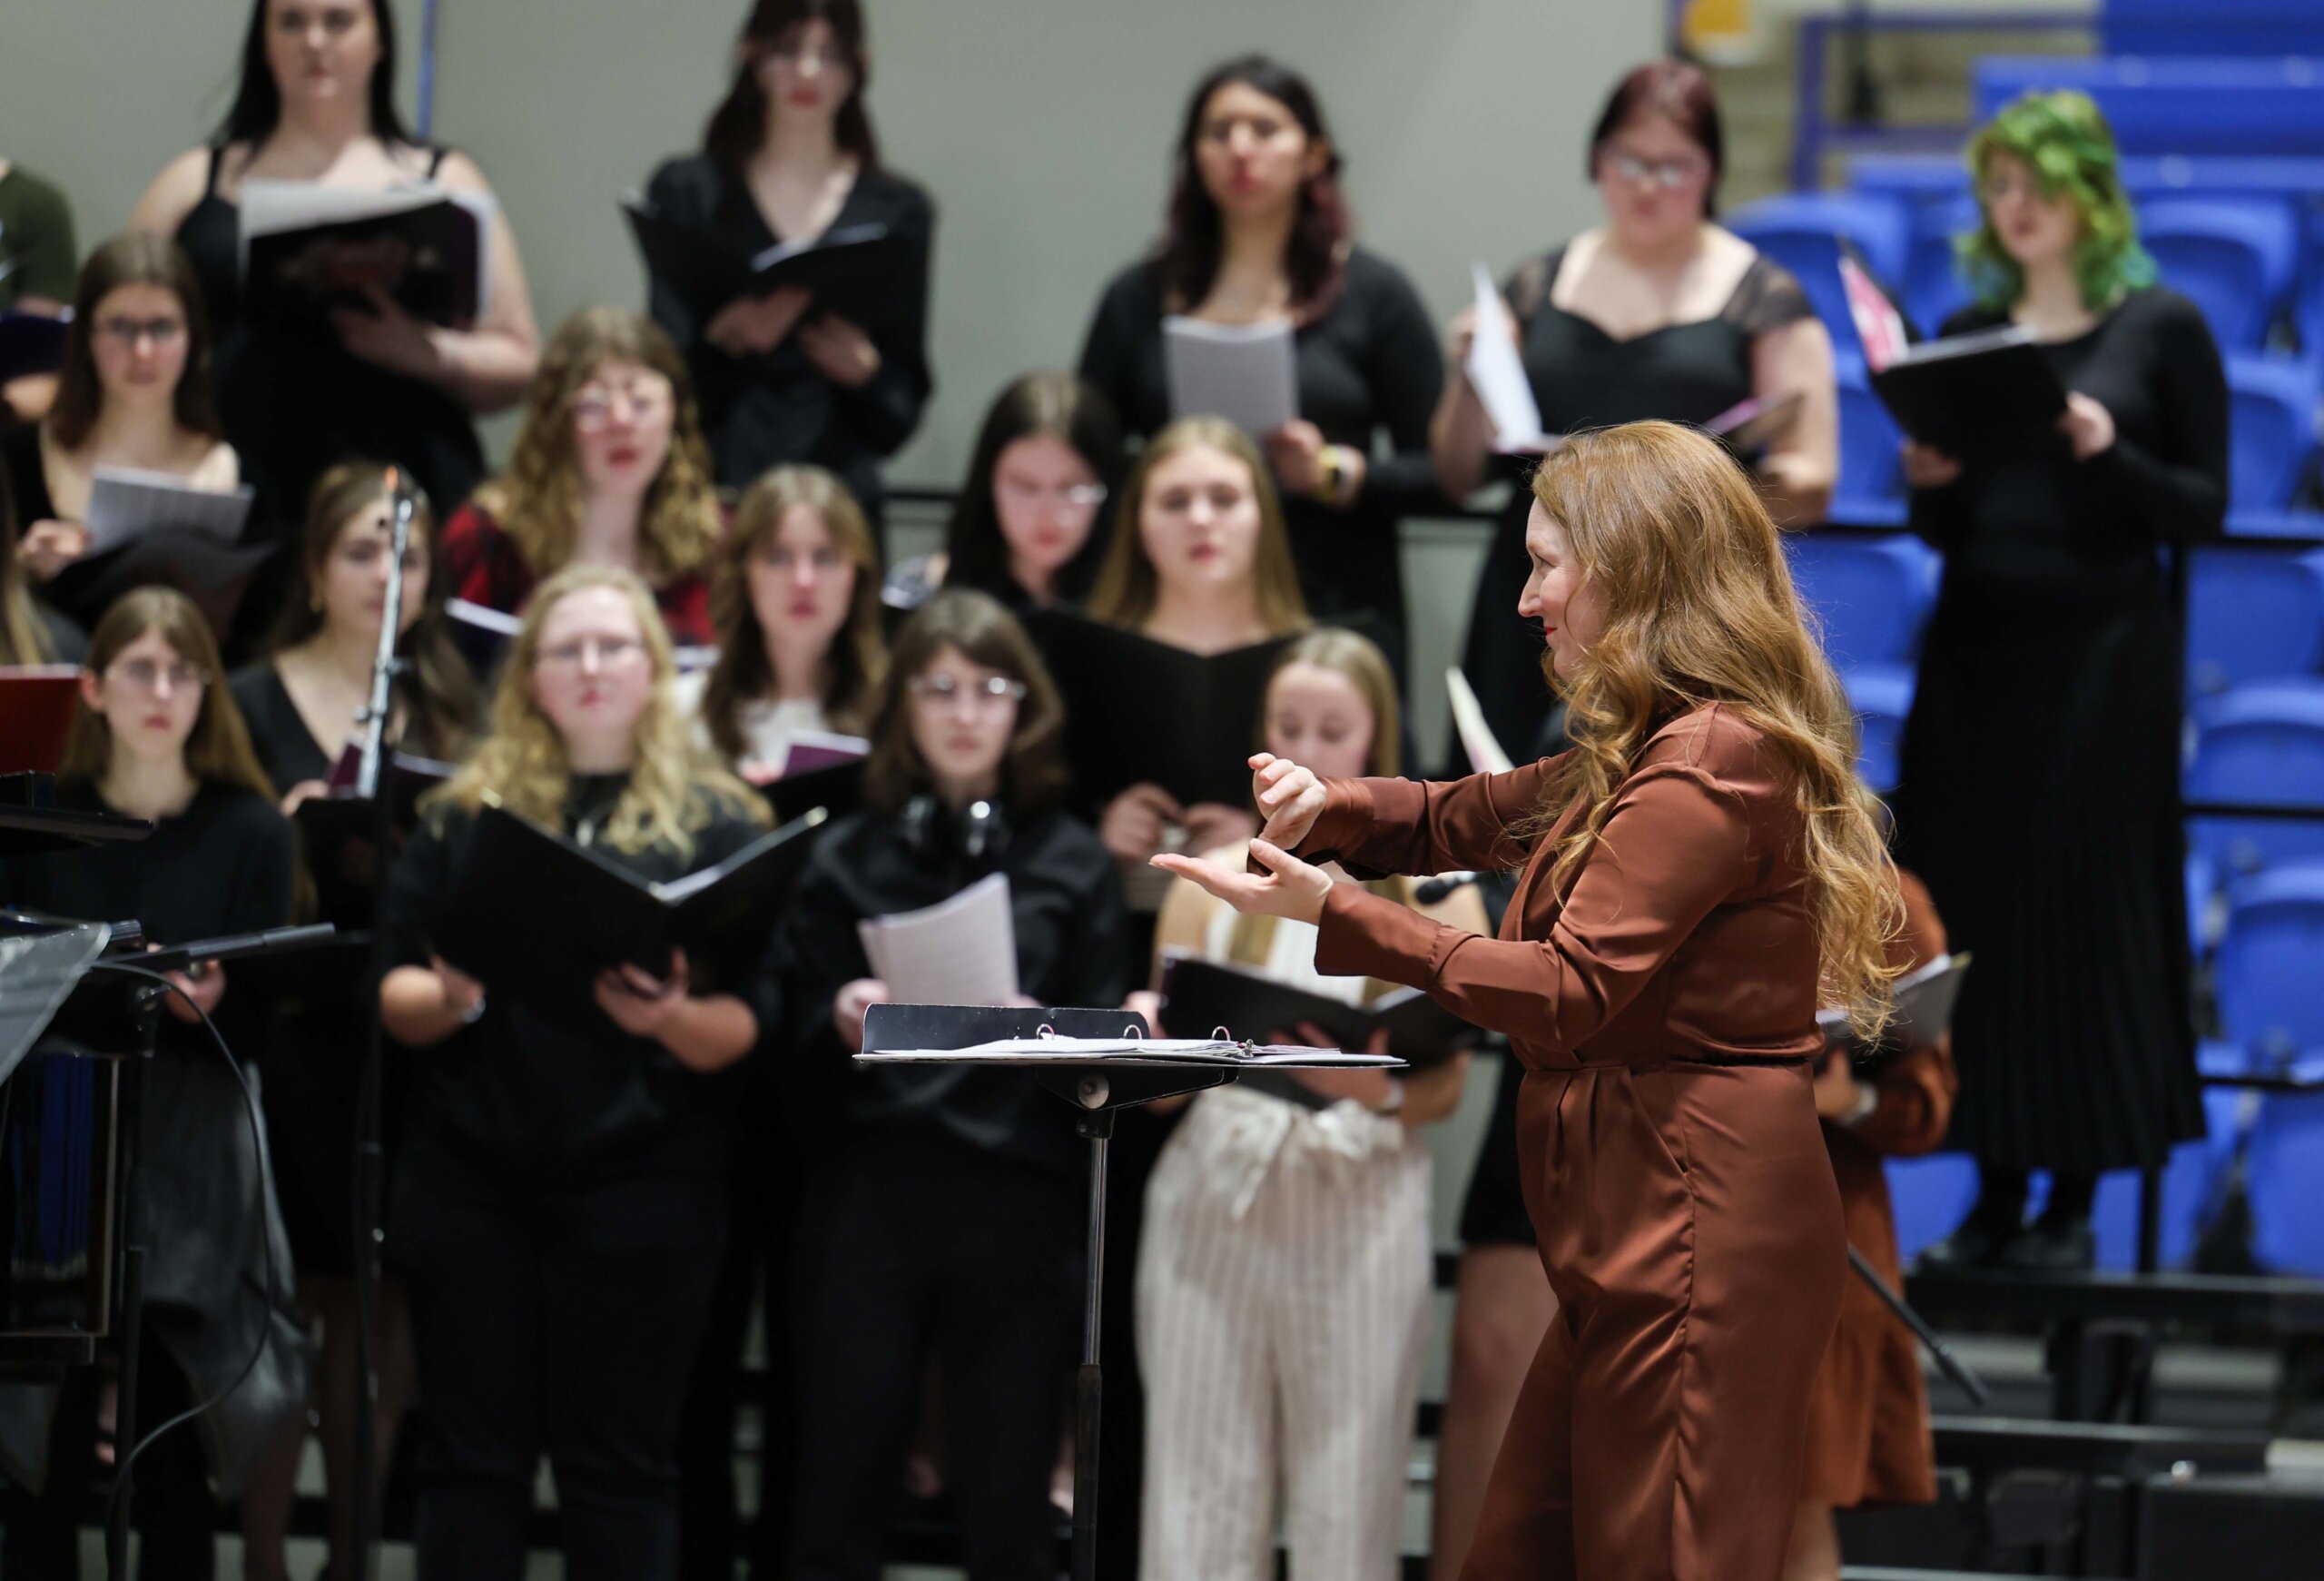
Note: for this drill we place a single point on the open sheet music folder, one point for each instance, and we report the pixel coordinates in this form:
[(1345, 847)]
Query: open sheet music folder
[(1925, 999)]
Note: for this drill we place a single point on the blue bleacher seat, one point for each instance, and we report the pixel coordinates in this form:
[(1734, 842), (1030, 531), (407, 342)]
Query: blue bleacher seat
[(1933, 284), (1929, 1196), (2287, 1182), (1882, 696), (2191, 1183), (2156, 104), (1801, 231), (1871, 489), (2253, 613), (2260, 744), (2233, 256), (1912, 182), (1870, 593), (2202, 887), (2219, 27), (2270, 960), (2271, 429)]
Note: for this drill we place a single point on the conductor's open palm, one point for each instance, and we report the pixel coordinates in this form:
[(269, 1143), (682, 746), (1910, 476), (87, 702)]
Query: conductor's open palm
[(1291, 888), (1290, 798)]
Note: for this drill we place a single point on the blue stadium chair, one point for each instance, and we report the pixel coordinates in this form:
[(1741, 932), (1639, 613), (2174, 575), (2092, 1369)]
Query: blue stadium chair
[(1802, 230), (2253, 613), (1912, 182), (2261, 744), (2264, 105), (1929, 1195), (2220, 27), (2287, 1182), (2272, 429), (2202, 888), (2190, 1182), (1870, 593), (1932, 286), (2270, 958), (1871, 489), (1881, 695), (2233, 257)]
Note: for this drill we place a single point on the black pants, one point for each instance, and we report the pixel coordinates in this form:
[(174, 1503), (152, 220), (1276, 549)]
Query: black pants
[(913, 1249), (559, 1319), (175, 1514)]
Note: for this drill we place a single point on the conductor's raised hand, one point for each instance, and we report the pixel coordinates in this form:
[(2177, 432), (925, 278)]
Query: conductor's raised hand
[(1290, 887), (1290, 798)]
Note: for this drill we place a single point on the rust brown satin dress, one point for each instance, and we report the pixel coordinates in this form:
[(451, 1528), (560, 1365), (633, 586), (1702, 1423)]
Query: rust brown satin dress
[(1867, 1422), (1665, 1012)]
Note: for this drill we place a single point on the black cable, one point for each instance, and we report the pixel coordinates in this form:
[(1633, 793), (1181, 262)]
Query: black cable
[(121, 1478)]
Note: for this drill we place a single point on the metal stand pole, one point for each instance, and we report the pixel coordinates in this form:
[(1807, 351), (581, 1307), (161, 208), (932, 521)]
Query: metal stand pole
[(1947, 1363)]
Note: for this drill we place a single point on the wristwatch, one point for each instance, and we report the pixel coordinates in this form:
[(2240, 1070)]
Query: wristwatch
[(1331, 473)]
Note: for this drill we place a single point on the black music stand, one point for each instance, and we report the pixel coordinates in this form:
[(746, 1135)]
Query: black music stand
[(1097, 1085)]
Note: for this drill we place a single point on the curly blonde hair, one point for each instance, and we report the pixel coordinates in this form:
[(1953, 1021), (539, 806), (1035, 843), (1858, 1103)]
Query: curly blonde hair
[(675, 783), (537, 501), (1698, 604)]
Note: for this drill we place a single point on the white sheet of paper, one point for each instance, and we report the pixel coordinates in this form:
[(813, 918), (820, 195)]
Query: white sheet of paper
[(1486, 754), (1246, 373), (125, 503), (1497, 373), (961, 951)]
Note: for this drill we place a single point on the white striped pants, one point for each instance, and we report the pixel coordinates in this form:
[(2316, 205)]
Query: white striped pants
[(1281, 1345)]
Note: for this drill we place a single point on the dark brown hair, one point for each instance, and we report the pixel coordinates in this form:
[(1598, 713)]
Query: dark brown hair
[(1032, 773), (257, 109), (859, 651), (738, 126), (133, 258), (1058, 404), (219, 751), (441, 703), (1676, 90), (1195, 232)]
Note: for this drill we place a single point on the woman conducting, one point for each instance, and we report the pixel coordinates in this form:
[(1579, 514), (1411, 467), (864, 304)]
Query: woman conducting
[(1700, 872)]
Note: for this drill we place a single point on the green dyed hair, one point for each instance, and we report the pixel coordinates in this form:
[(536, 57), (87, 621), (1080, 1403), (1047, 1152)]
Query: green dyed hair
[(2063, 139)]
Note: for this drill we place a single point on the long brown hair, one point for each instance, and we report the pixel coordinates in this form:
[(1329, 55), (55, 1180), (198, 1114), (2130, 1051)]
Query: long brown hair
[(1127, 587), (738, 126), (523, 766), (438, 690), (537, 501), (219, 751), (1056, 405), (1032, 771), (859, 651), (23, 639), (1699, 608), (133, 258)]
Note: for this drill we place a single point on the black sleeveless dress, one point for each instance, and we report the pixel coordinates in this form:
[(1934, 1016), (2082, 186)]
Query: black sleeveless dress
[(294, 406), (1584, 378)]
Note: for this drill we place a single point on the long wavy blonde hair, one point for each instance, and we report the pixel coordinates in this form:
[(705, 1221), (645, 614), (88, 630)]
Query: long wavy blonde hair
[(537, 501), (1699, 605), (523, 766)]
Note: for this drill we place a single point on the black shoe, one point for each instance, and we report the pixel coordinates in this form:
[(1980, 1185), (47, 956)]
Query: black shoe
[(1977, 1243), (2051, 1245)]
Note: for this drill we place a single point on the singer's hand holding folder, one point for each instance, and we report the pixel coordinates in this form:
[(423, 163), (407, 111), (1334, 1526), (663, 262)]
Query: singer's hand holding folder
[(843, 266), (1987, 396), (536, 917)]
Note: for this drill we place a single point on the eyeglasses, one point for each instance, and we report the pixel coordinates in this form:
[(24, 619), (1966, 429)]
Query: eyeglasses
[(1079, 498), (593, 404), (780, 558), (797, 57), (145, 675), (126, 332), (1993, 188), (946, 691), (1667, 173), (611, 653)]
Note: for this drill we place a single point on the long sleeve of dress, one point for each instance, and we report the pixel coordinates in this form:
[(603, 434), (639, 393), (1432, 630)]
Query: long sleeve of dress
[(1379, 827), (1122, 324), (2177, 485), (1676, 845), (885, 409), (1405, 369)]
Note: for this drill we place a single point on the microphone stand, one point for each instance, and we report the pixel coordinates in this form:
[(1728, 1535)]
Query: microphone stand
[(370, 1157)]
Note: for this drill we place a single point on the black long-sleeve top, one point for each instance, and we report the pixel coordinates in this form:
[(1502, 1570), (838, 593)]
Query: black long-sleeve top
[(1370, 365), (512, 1092), (2055, 526), (762, 411), (1072, 932)]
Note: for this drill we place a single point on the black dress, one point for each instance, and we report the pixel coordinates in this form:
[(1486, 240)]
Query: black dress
[(558, 1222), (2040, 765), (1584, 378), (762, 411), (295, 405), (943, 1205), (221, 866), (1369, 365)]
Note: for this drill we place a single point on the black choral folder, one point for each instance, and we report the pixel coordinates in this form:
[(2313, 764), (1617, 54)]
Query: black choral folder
[(429, 258), (335, 835), (1989, 396), (1138, 710), (1198, 996), (843, 265), (536, 918)]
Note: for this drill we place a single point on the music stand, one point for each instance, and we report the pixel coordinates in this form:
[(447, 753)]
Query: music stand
[(1097, 1085)]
